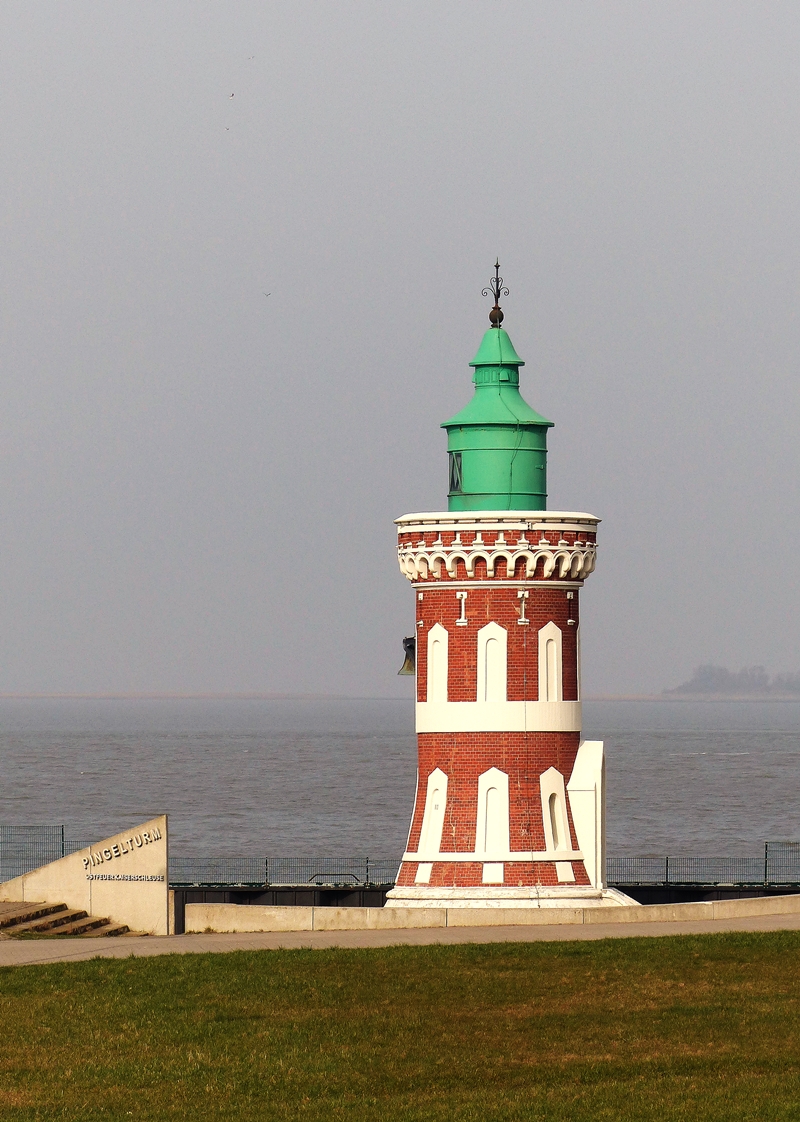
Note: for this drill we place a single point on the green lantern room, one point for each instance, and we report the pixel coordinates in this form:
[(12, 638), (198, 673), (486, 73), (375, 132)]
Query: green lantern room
[(497, 444)]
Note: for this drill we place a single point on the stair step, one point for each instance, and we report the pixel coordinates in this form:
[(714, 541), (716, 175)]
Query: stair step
[(56, 920), (108, 930), (50, 922), (23, 913), (82, 925)]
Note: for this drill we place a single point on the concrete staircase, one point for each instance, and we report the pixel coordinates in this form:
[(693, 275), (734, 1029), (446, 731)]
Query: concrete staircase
[(54, 919)]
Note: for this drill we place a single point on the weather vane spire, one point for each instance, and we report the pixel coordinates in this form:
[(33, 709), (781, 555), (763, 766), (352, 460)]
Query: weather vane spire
[(497, 290)]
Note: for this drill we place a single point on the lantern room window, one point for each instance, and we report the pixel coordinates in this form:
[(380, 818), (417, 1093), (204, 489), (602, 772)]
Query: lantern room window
[(456, 483)]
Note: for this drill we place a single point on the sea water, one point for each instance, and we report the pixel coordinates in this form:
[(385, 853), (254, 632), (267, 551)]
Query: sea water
[(337, 777)]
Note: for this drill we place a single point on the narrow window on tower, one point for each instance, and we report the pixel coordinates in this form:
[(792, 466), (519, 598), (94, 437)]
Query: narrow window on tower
[(492, 835), (492, 662), (456, 484), (437, 663), (550, 664), (430, 838), (555, 815)]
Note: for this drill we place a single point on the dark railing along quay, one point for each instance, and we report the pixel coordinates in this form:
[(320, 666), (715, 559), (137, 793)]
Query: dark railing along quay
[(23, 848), (778, 865), (339, 872)]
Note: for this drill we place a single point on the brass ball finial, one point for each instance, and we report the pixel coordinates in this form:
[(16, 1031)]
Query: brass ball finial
[(497, 290)]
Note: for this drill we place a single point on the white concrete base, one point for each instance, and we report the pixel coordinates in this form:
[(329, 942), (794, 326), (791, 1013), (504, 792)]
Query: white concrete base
[(487, 896), (202, 918)]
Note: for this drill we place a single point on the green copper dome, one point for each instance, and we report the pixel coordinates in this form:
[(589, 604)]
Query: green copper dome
[(496, 349), (497, 443)]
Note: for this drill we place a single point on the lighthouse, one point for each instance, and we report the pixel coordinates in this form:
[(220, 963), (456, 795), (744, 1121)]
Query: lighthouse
[(509, 807)]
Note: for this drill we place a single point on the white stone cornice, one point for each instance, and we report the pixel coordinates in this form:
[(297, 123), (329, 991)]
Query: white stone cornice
[(459, 520), (420, 562), (562, 560)]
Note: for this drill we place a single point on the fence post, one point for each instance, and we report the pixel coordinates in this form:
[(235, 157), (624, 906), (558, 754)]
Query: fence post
[(766, 862), (367, 880), (62, 842), (266, 871), (666, 870)]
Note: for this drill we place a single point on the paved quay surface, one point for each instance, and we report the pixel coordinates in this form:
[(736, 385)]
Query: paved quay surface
[(19, 952)]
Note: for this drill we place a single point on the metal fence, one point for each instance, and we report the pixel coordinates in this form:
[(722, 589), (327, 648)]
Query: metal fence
[(282, 870), (23, 848), (782, 862), (778, 865)]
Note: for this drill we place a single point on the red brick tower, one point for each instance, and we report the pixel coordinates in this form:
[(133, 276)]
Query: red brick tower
[(509, 806)]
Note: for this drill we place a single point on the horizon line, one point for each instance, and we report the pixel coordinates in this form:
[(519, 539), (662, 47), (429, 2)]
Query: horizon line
[(178, 696), (254, 696)]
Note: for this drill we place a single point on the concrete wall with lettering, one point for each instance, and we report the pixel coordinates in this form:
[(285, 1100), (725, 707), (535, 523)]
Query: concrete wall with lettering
[(124, 878)]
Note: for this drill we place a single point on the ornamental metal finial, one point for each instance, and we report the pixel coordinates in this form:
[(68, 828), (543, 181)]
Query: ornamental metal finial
[(496, 289)]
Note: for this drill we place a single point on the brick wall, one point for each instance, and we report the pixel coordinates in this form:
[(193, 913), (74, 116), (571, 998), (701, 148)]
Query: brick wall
[(502, 605), (464, 756)]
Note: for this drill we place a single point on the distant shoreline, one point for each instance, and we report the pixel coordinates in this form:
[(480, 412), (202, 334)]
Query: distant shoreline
[(697, 697)]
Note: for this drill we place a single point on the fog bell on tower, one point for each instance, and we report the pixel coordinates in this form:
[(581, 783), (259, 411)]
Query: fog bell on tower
[(410, 649)]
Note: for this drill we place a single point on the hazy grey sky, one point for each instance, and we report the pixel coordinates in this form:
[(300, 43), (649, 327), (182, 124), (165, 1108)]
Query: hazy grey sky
[(198, 482)]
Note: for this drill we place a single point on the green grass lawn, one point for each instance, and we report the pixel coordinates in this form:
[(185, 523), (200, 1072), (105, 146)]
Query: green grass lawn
[(704, 1027)]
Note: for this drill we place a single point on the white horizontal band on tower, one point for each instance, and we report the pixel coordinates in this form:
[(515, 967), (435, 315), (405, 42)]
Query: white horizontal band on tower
[(505, 858), (452, 585), (498, 716)]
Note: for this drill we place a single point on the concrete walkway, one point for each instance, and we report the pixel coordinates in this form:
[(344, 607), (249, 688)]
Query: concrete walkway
[(26, 953)]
